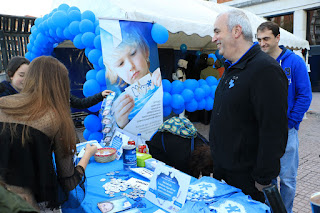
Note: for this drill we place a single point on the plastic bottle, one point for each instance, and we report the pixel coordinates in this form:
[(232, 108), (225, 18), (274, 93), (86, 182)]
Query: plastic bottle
[(141, 145)]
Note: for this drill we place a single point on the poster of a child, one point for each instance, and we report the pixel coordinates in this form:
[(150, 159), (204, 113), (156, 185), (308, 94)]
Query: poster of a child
[(131, 59)]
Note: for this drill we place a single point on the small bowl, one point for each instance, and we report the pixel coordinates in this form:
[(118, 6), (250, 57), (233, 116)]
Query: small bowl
[(105, 155)]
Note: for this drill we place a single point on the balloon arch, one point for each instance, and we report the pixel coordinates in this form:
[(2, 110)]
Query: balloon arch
[(68, 23)]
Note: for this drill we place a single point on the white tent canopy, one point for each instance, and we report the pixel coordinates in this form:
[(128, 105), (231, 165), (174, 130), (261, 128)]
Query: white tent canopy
[(188, 21)]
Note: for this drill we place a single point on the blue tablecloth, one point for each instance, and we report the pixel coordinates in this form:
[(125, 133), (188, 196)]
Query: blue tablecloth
[(223, 196), (95, 192)]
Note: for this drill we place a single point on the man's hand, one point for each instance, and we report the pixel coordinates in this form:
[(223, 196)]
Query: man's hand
[(261, 187)]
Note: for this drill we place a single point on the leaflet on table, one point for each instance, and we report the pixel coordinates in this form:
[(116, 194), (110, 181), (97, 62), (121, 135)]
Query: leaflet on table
[(134, 182), (143, 172), (168, 188), (118, 140), (81, 148)]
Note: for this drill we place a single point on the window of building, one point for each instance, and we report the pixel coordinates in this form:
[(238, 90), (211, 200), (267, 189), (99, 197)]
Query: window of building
[(284, 21), (313, 26)]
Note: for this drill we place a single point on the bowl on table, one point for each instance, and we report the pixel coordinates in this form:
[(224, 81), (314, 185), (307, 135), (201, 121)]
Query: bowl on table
[(104, 155)]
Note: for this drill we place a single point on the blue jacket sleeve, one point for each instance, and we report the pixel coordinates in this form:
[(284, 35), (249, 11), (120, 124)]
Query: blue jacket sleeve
[(302, 91)]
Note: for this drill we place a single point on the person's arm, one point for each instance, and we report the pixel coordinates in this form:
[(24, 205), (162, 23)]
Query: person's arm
[(69, 175), (83, 103), (303, 92), (268, 93)]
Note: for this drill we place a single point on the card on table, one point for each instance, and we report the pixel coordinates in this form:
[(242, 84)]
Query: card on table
[(113, 205)]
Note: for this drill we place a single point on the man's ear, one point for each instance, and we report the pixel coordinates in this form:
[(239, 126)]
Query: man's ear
[(278, 37), (237, 31)]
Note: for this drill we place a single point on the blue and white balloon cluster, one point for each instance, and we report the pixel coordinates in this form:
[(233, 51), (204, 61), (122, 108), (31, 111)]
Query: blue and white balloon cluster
[(68, 23), (190, 95)]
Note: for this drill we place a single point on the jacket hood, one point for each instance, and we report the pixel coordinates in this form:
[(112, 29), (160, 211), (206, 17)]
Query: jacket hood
[(285, 53)]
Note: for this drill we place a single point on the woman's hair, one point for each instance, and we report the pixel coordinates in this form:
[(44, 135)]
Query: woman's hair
[(46, 88), (133, 40), (14, 65)]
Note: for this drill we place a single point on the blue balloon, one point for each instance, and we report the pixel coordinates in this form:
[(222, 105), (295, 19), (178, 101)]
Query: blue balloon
[(59, 33), (91, 74), (191, 84), (213, 90), (37, 21), (88, 15), (77, 42), (29, 46), (34, 29), (86, 133), (96, 136), (218, 55), (167, 111), (95, 108), (183, 48), (74, 15), (202, 104), (177, 87), (73, 8), (192, 106), (92, 123), (97, 30), (159, 33), (67, 34), (178, 111), (60, 19), (207, 90), (167, 99), (101, 77), (187, 95), (166, 84), (87, 50), (86, 26), (97, 42), (41, 40), (202, 82), (87, 39), (209, 104), (199, 94), (28, 56), (63, 7), (91, 87), (100, 62), (177, 101), (211, 81), (74, 28), (94, 56)]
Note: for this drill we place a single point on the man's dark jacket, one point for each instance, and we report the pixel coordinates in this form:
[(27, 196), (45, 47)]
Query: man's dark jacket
[(249, 126)]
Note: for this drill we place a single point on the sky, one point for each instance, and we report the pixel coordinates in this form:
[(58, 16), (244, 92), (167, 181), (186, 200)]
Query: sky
[(36, 8)]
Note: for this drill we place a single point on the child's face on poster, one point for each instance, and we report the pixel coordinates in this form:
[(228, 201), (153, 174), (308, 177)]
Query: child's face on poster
[(130, 65)]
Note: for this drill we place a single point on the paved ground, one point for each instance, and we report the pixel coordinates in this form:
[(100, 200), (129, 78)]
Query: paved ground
[(308, 179)]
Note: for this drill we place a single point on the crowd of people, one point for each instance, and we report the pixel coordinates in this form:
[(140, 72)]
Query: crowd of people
[(259, 103)]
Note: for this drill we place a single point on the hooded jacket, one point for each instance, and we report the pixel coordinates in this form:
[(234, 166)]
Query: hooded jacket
[(249, 126), (299, 90)]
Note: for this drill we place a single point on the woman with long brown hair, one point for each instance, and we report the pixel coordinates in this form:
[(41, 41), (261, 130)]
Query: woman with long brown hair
[(35, 123)]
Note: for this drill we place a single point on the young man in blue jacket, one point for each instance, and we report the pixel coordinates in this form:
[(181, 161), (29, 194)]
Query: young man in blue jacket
[(299, 99)]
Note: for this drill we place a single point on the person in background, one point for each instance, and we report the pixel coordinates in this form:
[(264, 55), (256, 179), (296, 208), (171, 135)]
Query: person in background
[(249, 125), (210, 70), (33, 124), (299, 100), (18, 68), (16, 71), (218, 64)]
